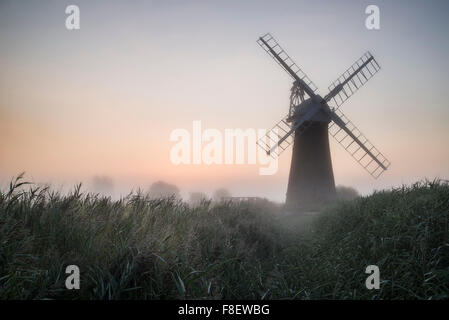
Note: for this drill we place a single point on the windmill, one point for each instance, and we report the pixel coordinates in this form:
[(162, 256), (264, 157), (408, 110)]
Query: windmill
[(308, 124)]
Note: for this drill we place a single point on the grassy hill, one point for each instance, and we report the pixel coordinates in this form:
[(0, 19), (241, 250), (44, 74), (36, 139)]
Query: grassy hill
[(138, 248)]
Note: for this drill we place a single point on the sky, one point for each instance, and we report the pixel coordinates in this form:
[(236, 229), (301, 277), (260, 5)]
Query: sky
[(104, 99)]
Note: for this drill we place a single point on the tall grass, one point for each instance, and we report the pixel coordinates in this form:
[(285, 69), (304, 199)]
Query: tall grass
[(142, 248), (403, 231)]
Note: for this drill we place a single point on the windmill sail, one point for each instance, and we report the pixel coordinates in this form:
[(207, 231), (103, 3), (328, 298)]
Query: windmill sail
[(280, 137), (352, 79), (356, 144), (274, 135), (272, 47)]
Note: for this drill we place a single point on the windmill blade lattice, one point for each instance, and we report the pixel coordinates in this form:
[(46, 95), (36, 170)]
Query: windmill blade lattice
[(368, 156), (283, 136), (353, 79), (275, 134), (269, 42)]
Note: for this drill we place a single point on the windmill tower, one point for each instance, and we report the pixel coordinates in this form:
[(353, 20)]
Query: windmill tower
[(308, 124)]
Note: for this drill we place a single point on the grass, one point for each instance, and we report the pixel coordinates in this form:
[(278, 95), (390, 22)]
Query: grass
[(141, 248)]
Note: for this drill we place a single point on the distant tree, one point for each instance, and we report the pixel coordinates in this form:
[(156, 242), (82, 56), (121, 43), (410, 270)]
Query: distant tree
[(221, 193), (103, 185), (197, 197), (161, 189), (346, 193)]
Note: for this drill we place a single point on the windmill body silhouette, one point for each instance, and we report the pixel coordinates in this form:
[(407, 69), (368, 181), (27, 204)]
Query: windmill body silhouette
[(308, 124)]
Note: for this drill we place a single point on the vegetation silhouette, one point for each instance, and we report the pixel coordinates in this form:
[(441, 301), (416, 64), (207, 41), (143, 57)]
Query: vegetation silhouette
[(144, 248), (161, 189)]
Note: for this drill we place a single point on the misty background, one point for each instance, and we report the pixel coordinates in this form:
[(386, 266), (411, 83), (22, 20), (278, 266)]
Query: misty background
[(97, 105)]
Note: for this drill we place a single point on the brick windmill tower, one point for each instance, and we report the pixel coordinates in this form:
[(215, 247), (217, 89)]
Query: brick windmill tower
[(308, 124)]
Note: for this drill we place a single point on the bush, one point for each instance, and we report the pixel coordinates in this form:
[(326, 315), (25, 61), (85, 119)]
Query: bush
[(346, 193)]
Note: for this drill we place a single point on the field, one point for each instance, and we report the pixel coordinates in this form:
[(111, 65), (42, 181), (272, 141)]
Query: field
[(139, 248)]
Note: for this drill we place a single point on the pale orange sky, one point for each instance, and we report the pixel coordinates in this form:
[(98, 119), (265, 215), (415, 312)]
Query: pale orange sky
[(103, 100)]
